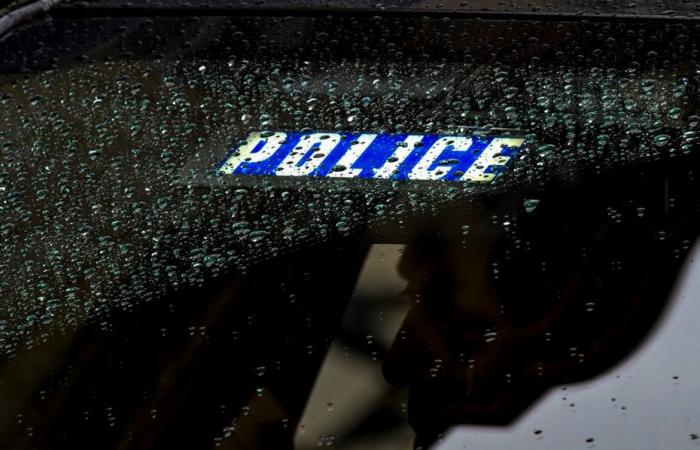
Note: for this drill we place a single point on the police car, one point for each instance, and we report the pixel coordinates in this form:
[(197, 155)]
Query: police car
[(274, 225)]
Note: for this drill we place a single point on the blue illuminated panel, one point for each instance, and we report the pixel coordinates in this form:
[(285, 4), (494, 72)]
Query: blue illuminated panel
[(371, 156)]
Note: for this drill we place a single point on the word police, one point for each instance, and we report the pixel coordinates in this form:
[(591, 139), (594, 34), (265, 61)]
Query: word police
[(371, 156)]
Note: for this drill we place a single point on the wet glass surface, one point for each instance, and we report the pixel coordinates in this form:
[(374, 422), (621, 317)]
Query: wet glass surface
[(150, 302)]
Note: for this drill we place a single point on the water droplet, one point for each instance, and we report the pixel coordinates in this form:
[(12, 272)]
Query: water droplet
[(661, 140), (531, 204)]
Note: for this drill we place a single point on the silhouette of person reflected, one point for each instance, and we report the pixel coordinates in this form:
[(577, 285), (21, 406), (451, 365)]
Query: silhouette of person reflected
[(538, 293)]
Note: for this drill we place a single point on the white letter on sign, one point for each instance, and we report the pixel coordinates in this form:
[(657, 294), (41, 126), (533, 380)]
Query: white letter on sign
[(244, 153), (398, 157), (326, 143), (349, 158), (422, 170), (490, 157)]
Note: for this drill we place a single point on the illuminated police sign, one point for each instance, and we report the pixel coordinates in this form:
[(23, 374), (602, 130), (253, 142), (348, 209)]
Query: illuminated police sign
[(371, 156)]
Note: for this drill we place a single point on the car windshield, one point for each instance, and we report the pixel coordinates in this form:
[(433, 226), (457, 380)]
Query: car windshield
[(357, 225)]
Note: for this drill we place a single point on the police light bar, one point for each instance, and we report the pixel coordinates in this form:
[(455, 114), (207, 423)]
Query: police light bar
[(376, 156)]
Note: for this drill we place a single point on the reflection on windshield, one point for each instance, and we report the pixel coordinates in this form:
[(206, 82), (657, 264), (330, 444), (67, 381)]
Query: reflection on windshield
[(647, 402), (535, 299), (151, 301)]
